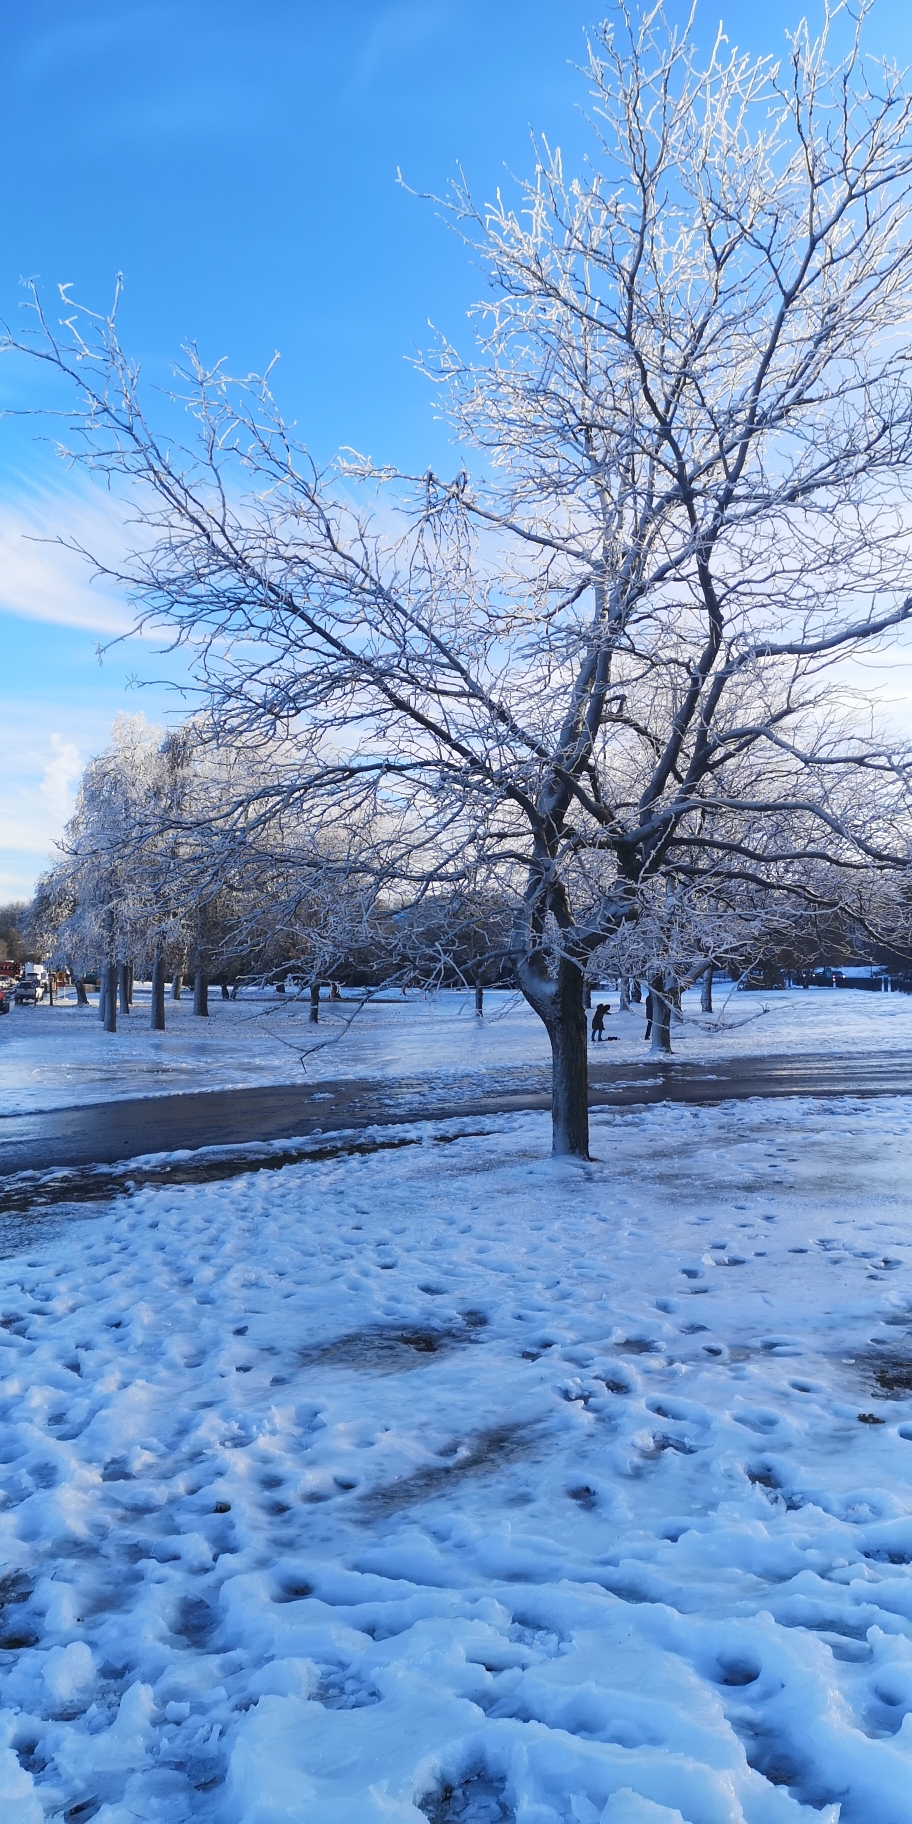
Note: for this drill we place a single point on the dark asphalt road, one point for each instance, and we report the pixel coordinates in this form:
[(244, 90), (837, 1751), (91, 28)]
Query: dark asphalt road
[(106, 1133)]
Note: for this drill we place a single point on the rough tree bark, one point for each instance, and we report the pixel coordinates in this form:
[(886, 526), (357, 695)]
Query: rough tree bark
[(558, 1001), (569, 1064), (706, 990), (157, 1014), (201, 994), (659, 1014), (110, 998)]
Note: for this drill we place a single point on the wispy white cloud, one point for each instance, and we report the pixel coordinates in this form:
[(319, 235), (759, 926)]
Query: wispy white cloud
[(41, 770), (400, 29), (43, 580), (61, 774)]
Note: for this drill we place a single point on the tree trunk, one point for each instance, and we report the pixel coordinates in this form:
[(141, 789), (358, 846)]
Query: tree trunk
[(636, 992), (706, 991), (659, 1014), (102, 984), (569, 1065), (587, 995), (157, 1014), (624, 1006), (314, 1014), (110, 998), (131, 978), (82, 999), (479, 997), (123, 986), (201, 994), (177, 982), (224, 987)]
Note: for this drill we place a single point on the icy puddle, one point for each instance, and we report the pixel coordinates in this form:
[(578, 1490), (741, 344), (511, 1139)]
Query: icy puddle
[(446, 1483)]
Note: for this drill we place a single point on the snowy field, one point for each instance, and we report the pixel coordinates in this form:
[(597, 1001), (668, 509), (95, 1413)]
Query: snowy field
[(449, 1483), (53, 1057)]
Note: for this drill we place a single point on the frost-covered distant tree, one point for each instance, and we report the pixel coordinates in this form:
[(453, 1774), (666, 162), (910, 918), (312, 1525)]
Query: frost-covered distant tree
[(13, 919), (106, 902), (618, 651), (94, 904), (302, 907), (456, 933)]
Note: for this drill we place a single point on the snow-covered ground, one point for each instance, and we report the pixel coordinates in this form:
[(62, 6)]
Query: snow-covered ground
[(452, 1483), (53, 1057)]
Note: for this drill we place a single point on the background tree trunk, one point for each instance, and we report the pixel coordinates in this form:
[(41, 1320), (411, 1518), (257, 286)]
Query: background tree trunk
[(157, 1014), (110, 998), (314, 1014), (201, 994), (479, 997), (660, 1014), (177, 982), (82, 999), (123, 986), (706, 991), (624, 1005), (102, 986), (224, 987)]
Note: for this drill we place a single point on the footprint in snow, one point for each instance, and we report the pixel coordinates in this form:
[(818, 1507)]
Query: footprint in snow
[(479, 1799)]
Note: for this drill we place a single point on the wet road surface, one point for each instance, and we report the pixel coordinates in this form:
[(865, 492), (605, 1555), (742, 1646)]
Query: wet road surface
[(108, 1133)]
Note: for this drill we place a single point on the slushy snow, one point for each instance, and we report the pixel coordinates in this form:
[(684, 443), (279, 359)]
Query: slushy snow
[(449, 1483)]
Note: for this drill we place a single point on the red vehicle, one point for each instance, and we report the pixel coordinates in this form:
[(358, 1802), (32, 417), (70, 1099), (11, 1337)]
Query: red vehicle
[(4, 1001)]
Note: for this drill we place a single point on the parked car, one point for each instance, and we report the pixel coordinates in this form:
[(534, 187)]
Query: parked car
[(29, 990)]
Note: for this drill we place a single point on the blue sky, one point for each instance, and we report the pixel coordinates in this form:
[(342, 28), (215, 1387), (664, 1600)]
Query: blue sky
[(237, 163)]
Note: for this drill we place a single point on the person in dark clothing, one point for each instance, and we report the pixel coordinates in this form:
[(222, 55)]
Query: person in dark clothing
[(598, 1020)]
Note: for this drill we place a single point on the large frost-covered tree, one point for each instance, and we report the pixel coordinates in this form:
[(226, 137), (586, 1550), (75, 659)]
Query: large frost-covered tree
[(616, 647)]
